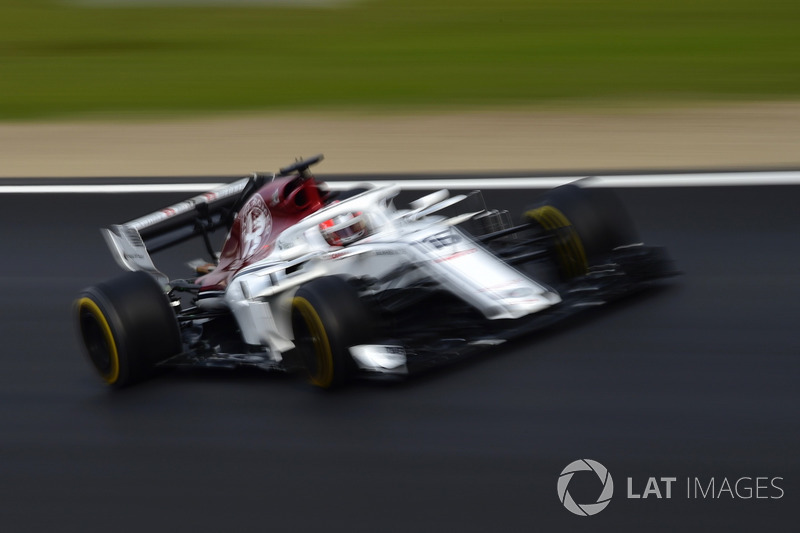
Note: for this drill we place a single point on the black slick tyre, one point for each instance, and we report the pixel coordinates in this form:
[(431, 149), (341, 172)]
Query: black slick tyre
[(328, 318), (586, 225), (127, 327)]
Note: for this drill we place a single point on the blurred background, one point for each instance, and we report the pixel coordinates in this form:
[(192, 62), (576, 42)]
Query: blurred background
[(83, 57), (209, 85), (698, 380)]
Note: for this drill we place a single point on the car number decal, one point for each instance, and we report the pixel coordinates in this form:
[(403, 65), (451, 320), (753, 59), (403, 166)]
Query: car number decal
[(256, 225)]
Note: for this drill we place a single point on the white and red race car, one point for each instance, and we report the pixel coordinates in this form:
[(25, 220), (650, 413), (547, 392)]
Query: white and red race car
[(338, 284)]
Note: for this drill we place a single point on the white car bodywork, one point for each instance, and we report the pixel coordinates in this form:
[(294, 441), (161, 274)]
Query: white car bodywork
[(260, 295)]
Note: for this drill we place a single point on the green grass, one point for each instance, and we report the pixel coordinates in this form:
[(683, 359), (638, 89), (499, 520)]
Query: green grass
[(57, 59)]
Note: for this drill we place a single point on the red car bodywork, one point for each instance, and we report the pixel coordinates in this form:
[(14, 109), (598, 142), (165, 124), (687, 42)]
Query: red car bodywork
[(275, 207)]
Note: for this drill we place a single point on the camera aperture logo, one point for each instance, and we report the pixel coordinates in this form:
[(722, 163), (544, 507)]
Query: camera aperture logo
[(585, 509)]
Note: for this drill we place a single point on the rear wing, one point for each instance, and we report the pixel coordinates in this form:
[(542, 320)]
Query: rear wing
[(132, 243)]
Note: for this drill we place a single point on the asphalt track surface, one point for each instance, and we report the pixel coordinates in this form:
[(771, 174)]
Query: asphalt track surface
[(698, 380)]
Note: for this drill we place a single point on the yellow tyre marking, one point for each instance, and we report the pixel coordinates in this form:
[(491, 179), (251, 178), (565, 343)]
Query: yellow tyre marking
[(113, 374), (323, 377), (569, 246)]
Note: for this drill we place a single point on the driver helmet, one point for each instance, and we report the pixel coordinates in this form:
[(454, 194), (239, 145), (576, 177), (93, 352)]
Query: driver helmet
[(345, 229)]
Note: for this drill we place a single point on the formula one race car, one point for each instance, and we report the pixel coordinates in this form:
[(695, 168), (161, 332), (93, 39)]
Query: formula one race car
[(338, 284)]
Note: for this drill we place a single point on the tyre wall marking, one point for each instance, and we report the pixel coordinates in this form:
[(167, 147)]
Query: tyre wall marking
[(570, 247), (113, 374), (322, 347)]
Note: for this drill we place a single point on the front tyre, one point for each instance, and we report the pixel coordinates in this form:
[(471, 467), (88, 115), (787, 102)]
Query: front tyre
[(586, 225), (328, 317), (127, 327)]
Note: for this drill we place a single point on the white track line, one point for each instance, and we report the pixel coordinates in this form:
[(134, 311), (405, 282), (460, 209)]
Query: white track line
[(720, 179), (109, 188)]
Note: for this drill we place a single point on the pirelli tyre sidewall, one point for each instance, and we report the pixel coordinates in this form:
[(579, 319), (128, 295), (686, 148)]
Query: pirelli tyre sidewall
[(586, 224), (127, 327), (327, 318)]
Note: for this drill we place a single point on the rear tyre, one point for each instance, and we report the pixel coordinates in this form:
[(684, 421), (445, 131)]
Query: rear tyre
[(328, 317), (586, 225), (127, 327)]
